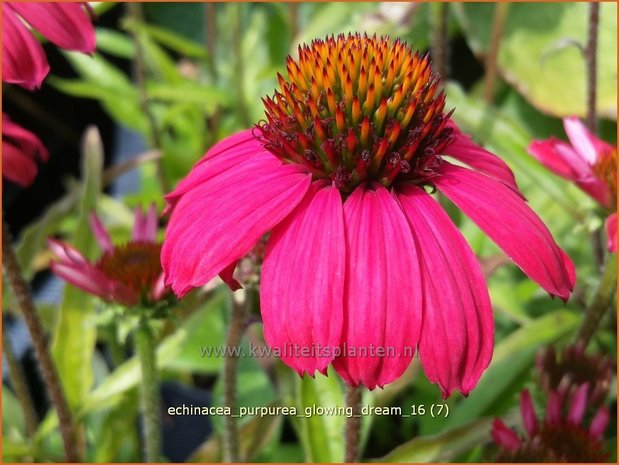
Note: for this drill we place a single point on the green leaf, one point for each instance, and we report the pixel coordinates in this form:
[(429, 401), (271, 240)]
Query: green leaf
[(207, 98), (75, 336), (115, 43), (321, 434), (537, 55), (175, 42)]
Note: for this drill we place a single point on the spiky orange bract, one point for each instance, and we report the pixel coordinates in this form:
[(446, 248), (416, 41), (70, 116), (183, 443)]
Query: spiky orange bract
[(357, 109), (135, 264)]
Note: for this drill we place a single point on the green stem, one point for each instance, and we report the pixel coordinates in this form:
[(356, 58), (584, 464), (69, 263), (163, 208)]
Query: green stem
[(602, 301), (498, 25), (353, 425), (19, 384), (239, 63), (151, 406), (440, 42), (21, 290), (591, 60), (232, 450)]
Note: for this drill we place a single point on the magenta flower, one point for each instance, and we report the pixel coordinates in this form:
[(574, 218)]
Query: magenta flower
[(362, 266), (559, 438), (20, 151), (589, 162), (128, 274), (65, 24)]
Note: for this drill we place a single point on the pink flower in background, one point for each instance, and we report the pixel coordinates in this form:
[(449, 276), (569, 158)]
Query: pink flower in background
[(20, 151), (65, 24), (589, 162), (360, 255), (128, 274), (561, 437)]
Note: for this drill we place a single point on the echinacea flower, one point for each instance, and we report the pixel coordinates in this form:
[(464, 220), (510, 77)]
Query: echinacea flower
[(20, 151), (572, 367), (560, 437), (128, 274), (589, 162), (65, 24), (359, 256)]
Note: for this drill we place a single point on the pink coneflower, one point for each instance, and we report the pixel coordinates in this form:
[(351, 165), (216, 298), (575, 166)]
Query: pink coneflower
[(559, 438), (589, 162), (20, 151), (129, 274), (65, 24), (360, 255)]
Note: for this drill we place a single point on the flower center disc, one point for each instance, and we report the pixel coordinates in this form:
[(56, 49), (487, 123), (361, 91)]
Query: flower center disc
[(606, 169), (357, 109), (135, 264)]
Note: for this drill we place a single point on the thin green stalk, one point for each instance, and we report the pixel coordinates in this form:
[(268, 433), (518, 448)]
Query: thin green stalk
[(352, 432), (21, 290), (20, 387), (602, 301), (440, 40), (239, 63), (149, 389), (238, 319), (591, 60), (498, 25)]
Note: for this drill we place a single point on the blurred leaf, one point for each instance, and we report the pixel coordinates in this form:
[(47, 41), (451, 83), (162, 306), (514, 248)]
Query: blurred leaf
[(513, 357), (175, 42), (321, 435), (254, 435), (206, 98), (115, 43), (75, 336), (536, 58), (170, 355), (13, 422)]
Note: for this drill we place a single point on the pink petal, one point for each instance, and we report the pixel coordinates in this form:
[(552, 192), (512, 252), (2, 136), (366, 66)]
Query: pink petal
[(466, 151), (224, 155), (611, 232), (528, 413), (219, 221), (138, 225), (382, 295), (23, 58), (100, 232), (458, 332), (27, 141), (559, 158), (159, 289), (578, 405), (509, 222), (302, 286), (65, 24), (586, 144), (66, 253), (599, 423), (596, 188), (150, 224), (17, 167), (504, 437), (227, 276), (553, 409)]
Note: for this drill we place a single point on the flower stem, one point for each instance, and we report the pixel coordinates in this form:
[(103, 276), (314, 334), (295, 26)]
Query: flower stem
[(48, 371), (601, 302), (149, 389), (19, 385), (440, 42), (591, 60), (136, 13), (239, 63), (498, 25), (353, 424), (236, 328)]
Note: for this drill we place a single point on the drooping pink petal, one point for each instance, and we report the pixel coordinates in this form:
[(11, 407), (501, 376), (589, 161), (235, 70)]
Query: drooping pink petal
[(504, 437), (159, 289), (302, 285), (596, 188), (23, 59), (553, 408), (578, 405), (84, 277), (225, 155), (458, 331), (599, 423), (219, 221), (611, 232), (67, 25), (227, 276), (509, 222), (66, 253), (584, 142), (559, 157), (467, 151), (382, 295), (17, 167), (101, 234), (139, 225), (150, 224), (25, 140), (528, 413)]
